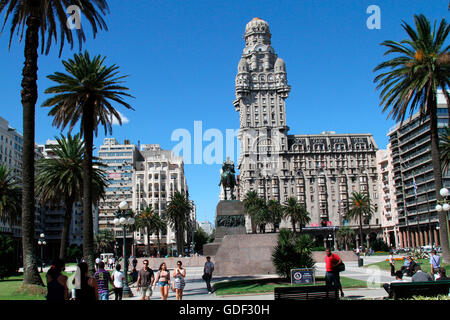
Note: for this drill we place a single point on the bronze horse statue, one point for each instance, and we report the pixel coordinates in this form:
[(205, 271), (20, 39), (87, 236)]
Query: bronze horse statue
[(227, 179)]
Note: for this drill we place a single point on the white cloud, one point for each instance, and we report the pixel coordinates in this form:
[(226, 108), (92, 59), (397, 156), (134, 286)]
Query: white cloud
[(125, 120)]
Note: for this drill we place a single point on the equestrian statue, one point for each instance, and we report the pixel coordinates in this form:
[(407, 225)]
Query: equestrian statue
[(227, 179)]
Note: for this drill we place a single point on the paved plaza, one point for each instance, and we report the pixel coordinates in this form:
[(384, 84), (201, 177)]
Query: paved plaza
[(196, 289)]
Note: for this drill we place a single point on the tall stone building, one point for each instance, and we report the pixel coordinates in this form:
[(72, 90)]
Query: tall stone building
[(387, 200), (158, 174), (320, 170)]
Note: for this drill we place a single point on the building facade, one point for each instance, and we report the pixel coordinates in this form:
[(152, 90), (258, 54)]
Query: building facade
[(387, 202), (321, 170), (414, 180), (158, 174)]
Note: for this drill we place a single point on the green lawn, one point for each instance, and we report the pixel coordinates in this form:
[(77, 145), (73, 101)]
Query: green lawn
[(267, 285)]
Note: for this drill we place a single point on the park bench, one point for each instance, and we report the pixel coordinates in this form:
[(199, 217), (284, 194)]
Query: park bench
[(306, 293), (401, 290)]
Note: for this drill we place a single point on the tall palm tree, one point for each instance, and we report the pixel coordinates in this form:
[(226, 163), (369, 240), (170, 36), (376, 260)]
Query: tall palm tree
[(261, 214), (297, 212), (444, 147), (360, 209), (275, 210), (251, 207), (60, 179), (9, 197), (85, 94), (420, 67), (152, 223), (44, 18), (178, 214), (345, 233)]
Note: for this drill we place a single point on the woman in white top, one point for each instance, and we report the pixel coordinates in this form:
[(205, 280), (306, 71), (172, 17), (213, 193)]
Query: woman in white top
[(179, 274), (117, 280), (392, 263)]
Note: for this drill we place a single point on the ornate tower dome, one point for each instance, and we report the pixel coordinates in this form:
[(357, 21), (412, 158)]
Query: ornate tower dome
[(257, 25)]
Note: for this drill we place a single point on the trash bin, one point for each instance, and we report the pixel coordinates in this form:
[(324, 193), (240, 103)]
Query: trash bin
[(360, 262)]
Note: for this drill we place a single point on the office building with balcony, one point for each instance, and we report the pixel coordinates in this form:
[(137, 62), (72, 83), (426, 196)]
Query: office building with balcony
[(415, 193)]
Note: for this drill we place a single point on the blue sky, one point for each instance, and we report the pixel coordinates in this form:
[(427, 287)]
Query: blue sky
[(182, 59)]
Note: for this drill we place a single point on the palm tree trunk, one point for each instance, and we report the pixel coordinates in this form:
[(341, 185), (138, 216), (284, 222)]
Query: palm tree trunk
[(29, 97), (66, 229), (148, 241), (88, 223), (361, 241), (435, 158)]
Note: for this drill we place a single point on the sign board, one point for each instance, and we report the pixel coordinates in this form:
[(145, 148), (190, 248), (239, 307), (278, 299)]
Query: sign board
[(303, 276)]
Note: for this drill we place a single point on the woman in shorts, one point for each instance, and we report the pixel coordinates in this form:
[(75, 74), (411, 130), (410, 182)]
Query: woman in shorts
[(179, 274), (163, 281)]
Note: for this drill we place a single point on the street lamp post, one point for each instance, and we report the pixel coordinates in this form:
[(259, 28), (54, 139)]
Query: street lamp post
[(124, 218), (42, 243), (444, 205)]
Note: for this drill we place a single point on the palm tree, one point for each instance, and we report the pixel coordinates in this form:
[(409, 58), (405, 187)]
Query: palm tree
[(152, 223), (360, 208), (104, 240), (444, 147), (275, 210), (178, 214), (85, 94), (345, 233), (251, 204), (420, 67), (60, 179), (9, 197), (297, 212), (261, 214), (44, 18)]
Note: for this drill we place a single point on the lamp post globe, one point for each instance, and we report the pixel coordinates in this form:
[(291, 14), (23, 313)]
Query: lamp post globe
[(122, 220), (446, 207), (116, 221), (444, 192), (123, 205), (439, 208)]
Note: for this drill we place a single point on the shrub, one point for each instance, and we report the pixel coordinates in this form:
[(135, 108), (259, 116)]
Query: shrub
[(292, 251), (8, 265), (379, 245)]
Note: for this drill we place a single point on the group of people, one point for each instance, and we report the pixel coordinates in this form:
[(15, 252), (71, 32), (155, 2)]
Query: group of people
[(86, 288), (109, 262), (90, 288), (147, 280), (412, 269)]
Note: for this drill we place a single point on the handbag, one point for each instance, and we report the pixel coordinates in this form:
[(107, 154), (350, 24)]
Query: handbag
[(340, 267)]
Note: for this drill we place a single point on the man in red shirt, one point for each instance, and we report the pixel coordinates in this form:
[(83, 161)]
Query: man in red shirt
[(332, 277)]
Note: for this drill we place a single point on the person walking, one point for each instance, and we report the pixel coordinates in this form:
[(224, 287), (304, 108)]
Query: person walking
[(57, 282), (392, 263), (332, 277), (435, 263), (145, 281), (85, 286), (179, 274), (134, 262), (117, 279), (103, 278), (97, 261), (208, 270), (163, 281)]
